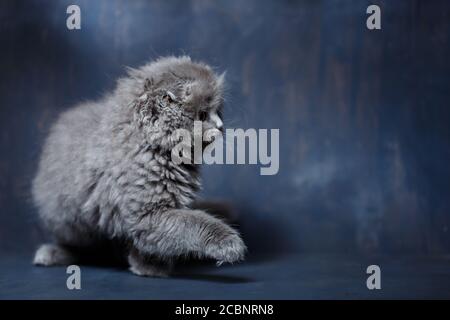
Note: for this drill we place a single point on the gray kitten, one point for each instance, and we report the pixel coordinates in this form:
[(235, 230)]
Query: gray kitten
[(106, 174)]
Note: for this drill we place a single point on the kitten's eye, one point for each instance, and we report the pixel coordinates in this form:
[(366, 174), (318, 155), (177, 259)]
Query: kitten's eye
[(202, 115), (208, 99)]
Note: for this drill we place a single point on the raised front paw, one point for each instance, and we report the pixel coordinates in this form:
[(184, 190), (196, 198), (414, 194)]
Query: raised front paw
[(228, 249)]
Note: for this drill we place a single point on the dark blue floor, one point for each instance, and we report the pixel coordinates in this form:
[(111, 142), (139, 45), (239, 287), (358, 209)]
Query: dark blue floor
[(287, 277)]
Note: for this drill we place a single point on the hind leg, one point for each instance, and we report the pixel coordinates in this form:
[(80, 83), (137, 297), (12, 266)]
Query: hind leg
[(72, 243), (62, 252), (52, 255)]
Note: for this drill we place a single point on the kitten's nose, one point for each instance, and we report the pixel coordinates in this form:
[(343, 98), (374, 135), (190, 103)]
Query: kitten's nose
[(217, 121)]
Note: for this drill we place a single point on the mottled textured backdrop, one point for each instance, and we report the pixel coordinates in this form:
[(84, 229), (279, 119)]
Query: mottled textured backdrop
[(363, 115)]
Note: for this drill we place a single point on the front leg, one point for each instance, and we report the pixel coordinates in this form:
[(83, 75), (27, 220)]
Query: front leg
[(183, 232)]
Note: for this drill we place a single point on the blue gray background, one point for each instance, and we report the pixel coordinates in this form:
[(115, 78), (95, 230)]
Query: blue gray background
[(363, 115)]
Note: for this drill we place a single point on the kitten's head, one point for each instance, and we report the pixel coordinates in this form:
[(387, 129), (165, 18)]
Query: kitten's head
[(174, 92)]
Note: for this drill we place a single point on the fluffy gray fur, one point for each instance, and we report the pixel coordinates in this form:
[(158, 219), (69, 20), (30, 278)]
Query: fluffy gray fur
[(106, 174)]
